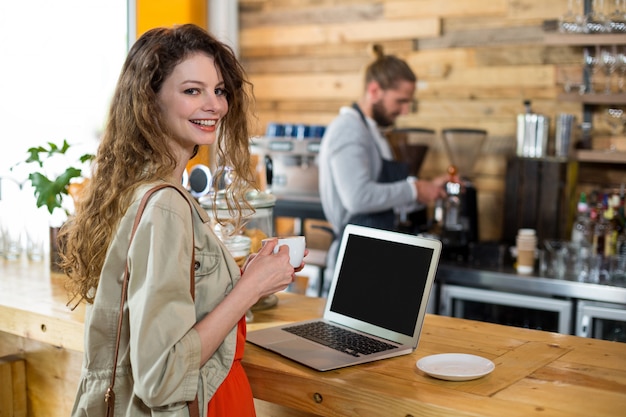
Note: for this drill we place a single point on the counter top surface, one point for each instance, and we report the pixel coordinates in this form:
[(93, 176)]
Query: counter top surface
[(507, 279), (33, 304), (537, 373)]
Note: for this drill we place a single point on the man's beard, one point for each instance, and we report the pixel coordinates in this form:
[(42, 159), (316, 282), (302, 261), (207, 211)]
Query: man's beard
[(380, 115)]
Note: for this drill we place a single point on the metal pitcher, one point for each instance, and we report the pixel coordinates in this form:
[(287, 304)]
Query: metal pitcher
[(532, 134)]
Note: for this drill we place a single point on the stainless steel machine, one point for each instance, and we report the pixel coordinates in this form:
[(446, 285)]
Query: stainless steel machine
[(290, 165), (457, 215), (289, 155)]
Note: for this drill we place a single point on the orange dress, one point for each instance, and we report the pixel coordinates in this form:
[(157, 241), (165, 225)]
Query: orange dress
[(234, 396)]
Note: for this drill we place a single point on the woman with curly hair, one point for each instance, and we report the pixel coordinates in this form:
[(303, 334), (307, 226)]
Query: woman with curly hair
[(178, 89)]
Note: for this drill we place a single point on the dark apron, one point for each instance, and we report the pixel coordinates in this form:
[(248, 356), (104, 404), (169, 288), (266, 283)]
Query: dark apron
[(391, 171)]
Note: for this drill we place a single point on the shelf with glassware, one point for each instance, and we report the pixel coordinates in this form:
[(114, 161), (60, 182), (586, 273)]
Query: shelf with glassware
[(600, 27), (603, 54), (594, 17), (605, 148)]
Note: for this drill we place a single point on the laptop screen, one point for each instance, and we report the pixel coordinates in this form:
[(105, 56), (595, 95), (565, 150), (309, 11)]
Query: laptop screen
[(382, 282)]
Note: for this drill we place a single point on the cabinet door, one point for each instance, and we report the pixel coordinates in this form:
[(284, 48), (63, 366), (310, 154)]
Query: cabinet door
[(511, 309), (537, 196), (601, 321)]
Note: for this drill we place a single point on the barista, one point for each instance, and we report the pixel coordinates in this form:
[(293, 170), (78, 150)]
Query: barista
[(359, 181)]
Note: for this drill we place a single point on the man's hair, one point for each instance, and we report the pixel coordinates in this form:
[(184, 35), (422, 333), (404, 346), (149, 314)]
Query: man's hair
[(387, 70)]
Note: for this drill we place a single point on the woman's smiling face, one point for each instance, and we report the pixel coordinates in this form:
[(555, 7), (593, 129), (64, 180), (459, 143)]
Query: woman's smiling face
[(193, 100)]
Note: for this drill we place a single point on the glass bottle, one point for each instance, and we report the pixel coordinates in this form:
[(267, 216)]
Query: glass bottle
[(621, 243), (617, 223), (621, 219), (600, 230), (582, 229), (610, 233)]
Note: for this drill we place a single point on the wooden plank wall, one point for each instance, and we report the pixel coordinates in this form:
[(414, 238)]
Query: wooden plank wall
[(476, 60)]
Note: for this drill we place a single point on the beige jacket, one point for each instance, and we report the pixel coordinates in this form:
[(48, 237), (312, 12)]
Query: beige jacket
[(159, 360)]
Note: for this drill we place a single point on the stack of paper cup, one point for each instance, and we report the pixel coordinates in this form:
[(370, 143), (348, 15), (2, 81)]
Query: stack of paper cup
[(526, 242)]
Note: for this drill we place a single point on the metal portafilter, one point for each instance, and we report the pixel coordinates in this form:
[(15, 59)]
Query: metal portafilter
[(452, 203)]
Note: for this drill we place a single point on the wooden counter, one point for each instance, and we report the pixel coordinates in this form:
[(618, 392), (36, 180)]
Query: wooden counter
[(537, 373), (36, 324)]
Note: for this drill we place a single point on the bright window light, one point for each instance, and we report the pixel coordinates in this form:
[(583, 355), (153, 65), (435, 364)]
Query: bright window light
[(60, 62)]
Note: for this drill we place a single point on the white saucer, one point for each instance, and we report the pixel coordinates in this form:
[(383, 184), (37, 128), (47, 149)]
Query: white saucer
[(455, 366)]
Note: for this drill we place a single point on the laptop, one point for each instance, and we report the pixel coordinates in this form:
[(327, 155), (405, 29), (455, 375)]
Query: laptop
[(380, 290)]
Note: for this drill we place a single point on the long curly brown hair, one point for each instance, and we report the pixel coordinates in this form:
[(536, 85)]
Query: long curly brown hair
[(134, 148)]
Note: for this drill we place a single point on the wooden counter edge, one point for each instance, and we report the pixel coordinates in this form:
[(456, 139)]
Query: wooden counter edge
[(58, 332)]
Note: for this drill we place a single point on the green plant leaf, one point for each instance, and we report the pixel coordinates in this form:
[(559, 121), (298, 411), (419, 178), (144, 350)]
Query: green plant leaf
[(49, 193), (87, 157), (34, 155), (53, 148)]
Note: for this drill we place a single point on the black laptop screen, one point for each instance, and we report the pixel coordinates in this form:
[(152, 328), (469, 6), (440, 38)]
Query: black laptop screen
[(382, 282)]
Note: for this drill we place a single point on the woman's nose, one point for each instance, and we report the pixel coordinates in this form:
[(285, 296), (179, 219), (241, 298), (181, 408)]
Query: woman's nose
[(211, 103)]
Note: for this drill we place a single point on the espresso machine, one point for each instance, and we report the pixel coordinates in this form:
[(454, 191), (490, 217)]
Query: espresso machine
[(456, 215), (288, 158)]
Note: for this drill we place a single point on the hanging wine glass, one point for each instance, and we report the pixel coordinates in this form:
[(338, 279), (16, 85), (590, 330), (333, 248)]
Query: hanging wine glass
[(617, 16), (616, 119), (620, 68), (590, 62), (596, 18), (608, 64), (573, 21)]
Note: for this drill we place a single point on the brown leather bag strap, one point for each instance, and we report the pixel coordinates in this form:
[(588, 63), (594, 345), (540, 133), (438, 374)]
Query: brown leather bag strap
[(109, 397)]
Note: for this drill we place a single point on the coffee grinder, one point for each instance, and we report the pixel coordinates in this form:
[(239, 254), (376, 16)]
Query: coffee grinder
[(410, 145), (456, 216)]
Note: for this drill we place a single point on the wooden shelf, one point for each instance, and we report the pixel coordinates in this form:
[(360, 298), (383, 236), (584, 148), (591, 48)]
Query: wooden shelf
[(608, 99), (584, 40), (610, 157)]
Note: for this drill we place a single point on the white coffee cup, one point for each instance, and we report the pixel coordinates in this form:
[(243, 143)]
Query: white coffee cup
[(296, 245), (526, 242)]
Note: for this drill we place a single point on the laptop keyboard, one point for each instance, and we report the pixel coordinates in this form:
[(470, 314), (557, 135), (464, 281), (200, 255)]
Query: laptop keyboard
[(339, 339)]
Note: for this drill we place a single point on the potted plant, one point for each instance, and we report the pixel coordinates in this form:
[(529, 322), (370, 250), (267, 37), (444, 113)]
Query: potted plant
[(53, 181)]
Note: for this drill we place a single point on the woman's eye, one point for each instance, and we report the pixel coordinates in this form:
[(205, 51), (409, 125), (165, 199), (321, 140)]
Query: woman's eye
[(192, 91), (220, 92)]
